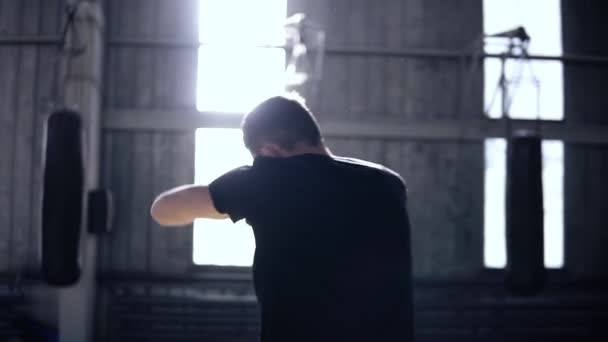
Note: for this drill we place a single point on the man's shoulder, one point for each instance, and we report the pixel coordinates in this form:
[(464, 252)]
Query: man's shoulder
[(274, 165), (379, 168)]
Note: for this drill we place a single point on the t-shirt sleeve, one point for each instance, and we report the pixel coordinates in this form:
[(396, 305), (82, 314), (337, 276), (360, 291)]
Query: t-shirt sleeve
[(232, 193), (398, 186)]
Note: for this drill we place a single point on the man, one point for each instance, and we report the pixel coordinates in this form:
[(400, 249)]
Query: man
[(332, 259)]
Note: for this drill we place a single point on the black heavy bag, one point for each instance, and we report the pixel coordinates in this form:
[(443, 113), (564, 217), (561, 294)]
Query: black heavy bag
[(524, 224), (62, 199)]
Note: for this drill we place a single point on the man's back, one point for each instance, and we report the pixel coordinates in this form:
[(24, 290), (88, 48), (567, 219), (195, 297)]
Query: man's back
[(332, 258)]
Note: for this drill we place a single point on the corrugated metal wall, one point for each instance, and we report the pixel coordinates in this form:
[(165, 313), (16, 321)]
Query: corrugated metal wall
[(29, 81), (140, 164), (586, 165)]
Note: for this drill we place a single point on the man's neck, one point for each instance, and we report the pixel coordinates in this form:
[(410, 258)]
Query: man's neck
[(307, 149)]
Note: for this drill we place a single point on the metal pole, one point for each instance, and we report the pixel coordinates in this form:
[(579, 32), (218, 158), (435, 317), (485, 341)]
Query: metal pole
[(375, 52), (332, 51), (504, 88)]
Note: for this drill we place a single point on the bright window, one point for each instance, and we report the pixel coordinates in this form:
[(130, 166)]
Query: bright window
[(542, 21), (238, 67), (495, 254), (528, 102), (220, 242)]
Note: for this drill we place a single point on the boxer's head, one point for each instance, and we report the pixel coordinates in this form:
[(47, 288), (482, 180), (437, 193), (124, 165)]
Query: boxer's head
[(280, 127)]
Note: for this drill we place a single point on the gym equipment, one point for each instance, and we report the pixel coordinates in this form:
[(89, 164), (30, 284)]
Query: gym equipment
[(525, 273), (62, 199)]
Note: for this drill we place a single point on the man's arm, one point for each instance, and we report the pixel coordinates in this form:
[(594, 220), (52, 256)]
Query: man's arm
[(180, 206)]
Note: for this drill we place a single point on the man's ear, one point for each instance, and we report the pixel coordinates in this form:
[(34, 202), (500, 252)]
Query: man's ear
[(272, 150)]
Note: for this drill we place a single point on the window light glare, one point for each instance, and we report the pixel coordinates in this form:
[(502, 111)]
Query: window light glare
[(235, 79), (495, 254), (223, 243), (553, 196), (239, 63), (238, 67), (495, 250), (254, 23), (527, 102), (218, 150)]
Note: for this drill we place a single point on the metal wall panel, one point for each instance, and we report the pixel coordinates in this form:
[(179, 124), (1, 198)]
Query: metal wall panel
[(29, 79), (585, 101)]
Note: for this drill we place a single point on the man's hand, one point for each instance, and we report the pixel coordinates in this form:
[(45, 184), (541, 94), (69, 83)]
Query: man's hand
[(180, 206)]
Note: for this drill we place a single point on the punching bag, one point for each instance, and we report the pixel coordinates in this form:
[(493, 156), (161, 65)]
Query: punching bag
[(62, 199), (525, 274)]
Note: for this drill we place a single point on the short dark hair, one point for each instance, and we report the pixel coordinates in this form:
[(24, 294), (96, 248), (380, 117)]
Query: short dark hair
[(283, 121)]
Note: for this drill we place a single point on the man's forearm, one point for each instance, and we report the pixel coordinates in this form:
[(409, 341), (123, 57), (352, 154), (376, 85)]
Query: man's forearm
[(182, 205), (166, 209)]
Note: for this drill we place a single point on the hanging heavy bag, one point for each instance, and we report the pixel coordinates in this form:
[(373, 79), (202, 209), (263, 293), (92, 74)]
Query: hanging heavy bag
[(62, 200), (525, 274)]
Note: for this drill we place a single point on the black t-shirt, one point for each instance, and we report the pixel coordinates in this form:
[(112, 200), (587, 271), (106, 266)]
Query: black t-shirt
[(332, 259)]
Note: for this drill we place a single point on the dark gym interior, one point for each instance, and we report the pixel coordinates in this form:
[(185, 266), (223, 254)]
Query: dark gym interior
[(415, 85)]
